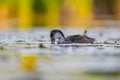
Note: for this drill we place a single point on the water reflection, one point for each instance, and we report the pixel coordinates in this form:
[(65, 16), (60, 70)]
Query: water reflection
[(56, 62)]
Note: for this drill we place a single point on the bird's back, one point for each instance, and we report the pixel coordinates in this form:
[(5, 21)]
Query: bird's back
[(79, 39)]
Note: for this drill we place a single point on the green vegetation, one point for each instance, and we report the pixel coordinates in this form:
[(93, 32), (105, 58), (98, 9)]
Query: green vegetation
[(41, 45)]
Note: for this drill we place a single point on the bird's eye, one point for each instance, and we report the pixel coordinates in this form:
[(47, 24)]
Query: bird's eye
[(59, 38)]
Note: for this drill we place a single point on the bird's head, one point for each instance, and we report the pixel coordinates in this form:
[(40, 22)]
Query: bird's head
[(57, 36)]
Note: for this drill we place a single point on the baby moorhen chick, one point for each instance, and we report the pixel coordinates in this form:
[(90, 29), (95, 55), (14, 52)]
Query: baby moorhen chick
[(58, 37)]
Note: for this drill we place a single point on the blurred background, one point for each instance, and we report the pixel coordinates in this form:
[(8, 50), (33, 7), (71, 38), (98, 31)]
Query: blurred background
[(29, 55), (26, 14)]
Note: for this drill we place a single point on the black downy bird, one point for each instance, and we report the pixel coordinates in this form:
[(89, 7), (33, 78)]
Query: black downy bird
[(58, 37)]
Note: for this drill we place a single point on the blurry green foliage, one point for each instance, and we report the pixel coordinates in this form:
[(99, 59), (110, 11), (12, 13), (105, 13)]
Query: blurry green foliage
[(45, 5), (39, 6), (2, 1)]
